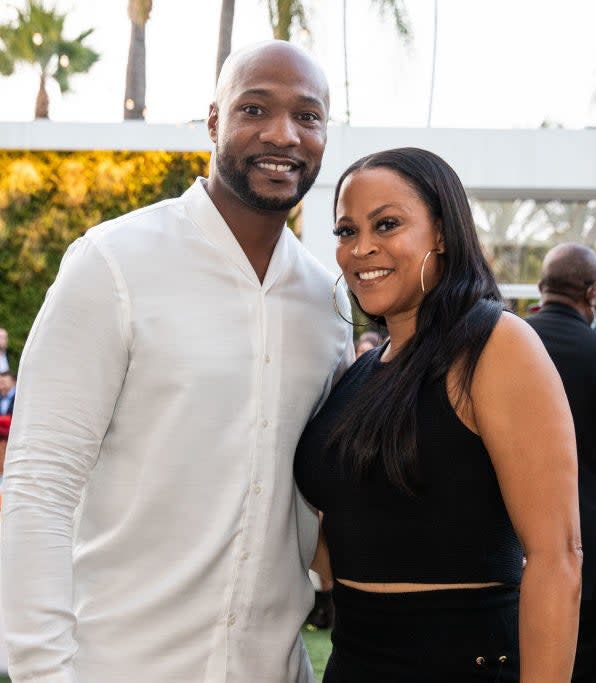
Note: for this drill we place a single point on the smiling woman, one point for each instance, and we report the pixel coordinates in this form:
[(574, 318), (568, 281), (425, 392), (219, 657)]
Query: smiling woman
[(441, 454), (382, 247)]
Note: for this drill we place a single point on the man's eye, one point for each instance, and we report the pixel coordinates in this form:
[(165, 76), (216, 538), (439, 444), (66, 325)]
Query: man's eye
[(308, 116), (252, 110)]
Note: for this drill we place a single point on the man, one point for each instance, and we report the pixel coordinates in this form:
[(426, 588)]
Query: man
[(4, 360), (8, 383), (568, 297), (190, 544)]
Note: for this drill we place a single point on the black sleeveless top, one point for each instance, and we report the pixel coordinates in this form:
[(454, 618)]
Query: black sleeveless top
[(455, 530)]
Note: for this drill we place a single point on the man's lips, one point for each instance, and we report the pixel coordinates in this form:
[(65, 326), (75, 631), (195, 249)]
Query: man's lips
[(276, 165)]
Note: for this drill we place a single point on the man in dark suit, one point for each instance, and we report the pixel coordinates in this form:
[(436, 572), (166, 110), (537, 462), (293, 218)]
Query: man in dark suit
[(568, 296)]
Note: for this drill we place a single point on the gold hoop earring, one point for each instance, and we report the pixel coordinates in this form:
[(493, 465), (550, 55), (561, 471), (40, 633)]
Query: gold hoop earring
[(424, 260), (339, 313)]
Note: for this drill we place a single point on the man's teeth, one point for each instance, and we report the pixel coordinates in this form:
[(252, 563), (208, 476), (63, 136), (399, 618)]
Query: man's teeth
[(372, 274), (274, 167)]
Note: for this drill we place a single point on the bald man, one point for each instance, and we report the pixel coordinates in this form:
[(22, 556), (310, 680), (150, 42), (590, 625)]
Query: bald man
[(152, 531), (568, 298)]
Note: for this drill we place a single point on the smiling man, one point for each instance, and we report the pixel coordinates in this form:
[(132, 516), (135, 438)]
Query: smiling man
[(152, 530)]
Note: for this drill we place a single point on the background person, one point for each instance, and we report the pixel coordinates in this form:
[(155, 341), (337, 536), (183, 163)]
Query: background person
[(4, 353), (199, 574), (438, 450), (8, 388), (568, 297), (367, 341)]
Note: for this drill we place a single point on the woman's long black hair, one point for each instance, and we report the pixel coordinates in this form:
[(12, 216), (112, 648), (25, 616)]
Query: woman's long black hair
[(453, 324)]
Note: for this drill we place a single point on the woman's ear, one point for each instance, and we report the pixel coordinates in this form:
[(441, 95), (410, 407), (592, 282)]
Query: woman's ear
[(440, 241)]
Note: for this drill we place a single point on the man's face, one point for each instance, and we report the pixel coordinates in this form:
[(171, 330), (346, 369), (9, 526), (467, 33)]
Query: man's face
[(269, 127), (3, 339)]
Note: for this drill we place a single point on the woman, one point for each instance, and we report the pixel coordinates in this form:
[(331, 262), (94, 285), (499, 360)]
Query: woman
[(437, 451)]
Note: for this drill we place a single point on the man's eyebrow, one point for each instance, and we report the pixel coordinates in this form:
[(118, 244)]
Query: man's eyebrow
[(264, 92)]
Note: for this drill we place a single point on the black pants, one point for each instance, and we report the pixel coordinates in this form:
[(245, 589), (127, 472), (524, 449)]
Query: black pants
[(441, 636), (584, 670)]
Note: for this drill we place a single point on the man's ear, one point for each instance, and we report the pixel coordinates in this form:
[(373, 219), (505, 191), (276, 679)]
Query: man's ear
[(591, 295), (212, 120)]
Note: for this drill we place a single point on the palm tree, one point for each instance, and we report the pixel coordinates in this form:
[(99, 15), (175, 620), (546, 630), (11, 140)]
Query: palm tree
[(36, 38), (395, 7), (134, 95), (283, 13), (226, 23)]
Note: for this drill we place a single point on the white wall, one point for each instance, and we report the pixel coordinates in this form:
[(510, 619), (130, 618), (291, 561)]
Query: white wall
[(493, 164)]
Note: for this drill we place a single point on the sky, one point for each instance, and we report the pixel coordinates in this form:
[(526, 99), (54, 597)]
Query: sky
[(505, 64)]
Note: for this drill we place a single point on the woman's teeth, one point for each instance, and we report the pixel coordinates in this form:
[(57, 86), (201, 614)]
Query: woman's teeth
[(372, 274)]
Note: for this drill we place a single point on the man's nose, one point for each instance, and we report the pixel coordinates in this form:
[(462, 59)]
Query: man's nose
[(281, 131)]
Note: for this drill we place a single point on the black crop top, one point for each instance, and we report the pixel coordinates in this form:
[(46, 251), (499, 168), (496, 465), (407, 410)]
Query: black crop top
[(456, 530)]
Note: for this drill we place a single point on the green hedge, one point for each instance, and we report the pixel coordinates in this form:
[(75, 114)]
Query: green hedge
[(48, 199)]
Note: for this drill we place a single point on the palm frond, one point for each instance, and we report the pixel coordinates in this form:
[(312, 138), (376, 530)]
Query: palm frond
[(400, 15), (6, 64), (36, 37)]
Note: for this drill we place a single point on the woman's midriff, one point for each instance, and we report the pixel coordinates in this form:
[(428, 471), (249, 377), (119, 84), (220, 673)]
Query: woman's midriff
[(411, 587)]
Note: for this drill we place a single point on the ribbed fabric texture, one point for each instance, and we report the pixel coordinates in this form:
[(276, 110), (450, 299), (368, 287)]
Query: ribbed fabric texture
[(456, 530)]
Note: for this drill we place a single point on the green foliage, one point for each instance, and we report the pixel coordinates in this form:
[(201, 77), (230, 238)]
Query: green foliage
[(284, 13), (139, 11), (36, 38), (48, 199), (400, 16), (318, 644)]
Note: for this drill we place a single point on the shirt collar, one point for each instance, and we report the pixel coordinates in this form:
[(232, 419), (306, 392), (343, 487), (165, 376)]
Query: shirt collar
[(564, 309), (204, 214)]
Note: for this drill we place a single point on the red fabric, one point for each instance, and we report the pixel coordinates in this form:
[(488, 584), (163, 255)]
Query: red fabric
[(4, 426)]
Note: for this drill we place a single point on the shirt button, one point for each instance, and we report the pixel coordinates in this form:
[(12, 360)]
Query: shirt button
[(244, 556), (267, 358), (231, 620), (264, 424), (258, 489)]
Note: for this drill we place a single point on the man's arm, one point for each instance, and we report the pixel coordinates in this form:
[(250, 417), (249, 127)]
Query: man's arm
[(71, 374)]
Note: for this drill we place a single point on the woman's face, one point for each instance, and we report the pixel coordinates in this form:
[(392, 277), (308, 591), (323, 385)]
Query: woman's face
[(384, 231)]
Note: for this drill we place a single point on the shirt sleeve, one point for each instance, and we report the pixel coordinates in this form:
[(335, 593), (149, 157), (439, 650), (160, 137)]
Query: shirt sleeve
[(347, 359), (343, 363), (71, 374)]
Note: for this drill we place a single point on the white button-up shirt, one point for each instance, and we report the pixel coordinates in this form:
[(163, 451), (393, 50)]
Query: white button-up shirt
[(152, 532)]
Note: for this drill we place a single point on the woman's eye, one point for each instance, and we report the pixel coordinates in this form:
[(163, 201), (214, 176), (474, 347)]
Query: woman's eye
[(252, 110), (342, 231), (387, 224)]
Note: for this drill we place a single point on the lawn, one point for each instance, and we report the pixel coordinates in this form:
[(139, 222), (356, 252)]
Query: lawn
[(319, 647), (317, 643)]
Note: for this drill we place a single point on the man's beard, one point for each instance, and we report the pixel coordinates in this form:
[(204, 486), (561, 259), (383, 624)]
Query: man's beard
[(236, 176)]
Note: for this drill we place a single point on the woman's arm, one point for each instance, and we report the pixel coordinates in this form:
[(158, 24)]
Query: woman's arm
[(521, 412), (321, 563)]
